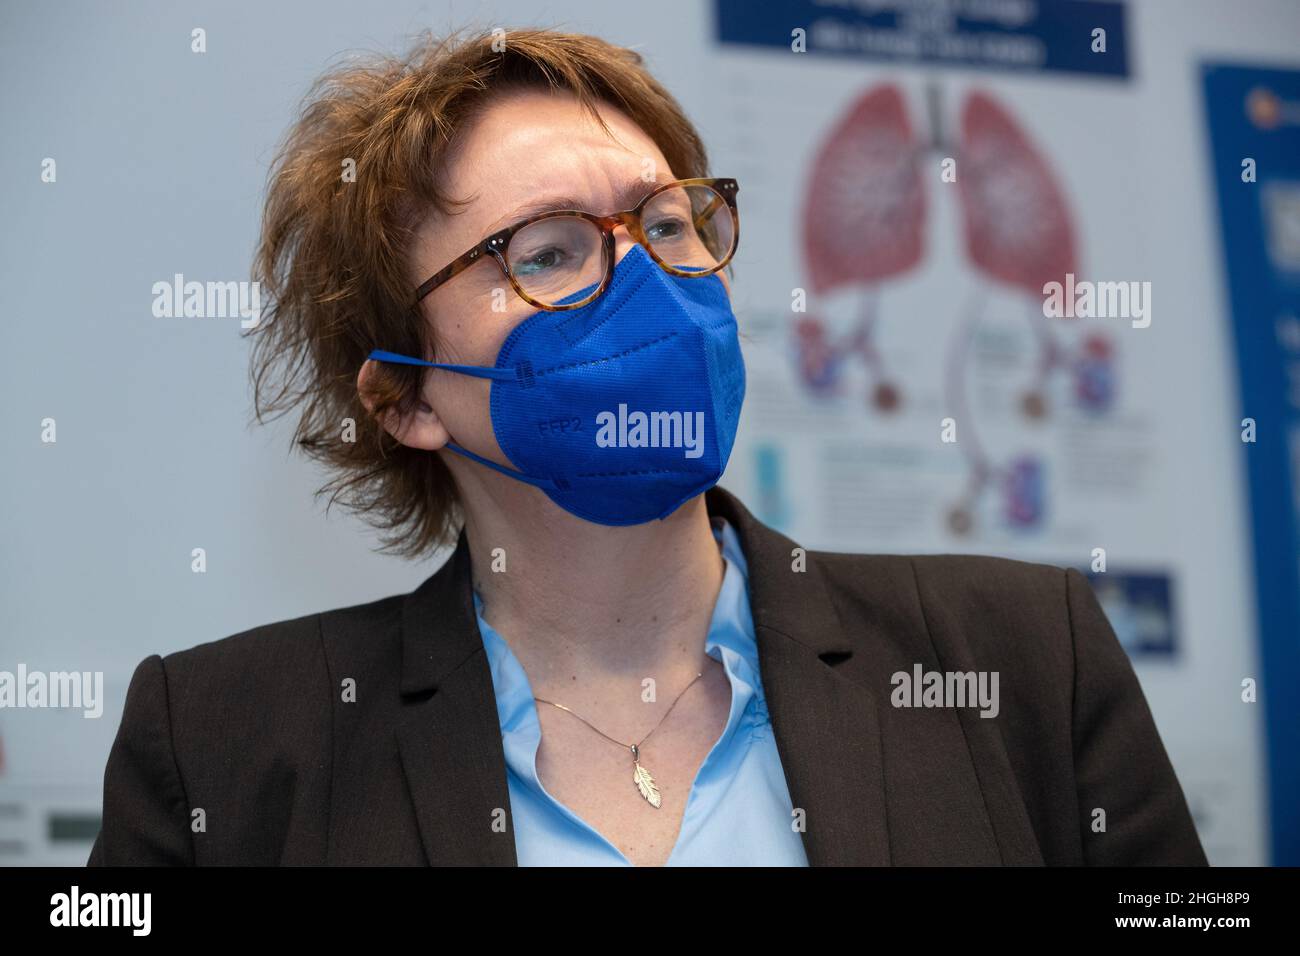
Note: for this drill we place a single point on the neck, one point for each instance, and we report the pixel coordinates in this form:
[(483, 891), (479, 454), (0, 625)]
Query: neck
[(584, 606)]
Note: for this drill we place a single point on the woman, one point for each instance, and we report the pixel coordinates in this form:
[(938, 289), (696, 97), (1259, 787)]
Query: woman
[(502, 314)]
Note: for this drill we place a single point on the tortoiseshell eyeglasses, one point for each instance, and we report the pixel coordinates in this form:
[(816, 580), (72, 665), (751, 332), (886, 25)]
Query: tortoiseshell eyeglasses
[(564, 259)]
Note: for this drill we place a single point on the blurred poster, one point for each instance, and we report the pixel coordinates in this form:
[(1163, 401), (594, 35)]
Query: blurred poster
[(911, 387), (1139, 608), (1073, 36), (898, 328), (1254, 121)]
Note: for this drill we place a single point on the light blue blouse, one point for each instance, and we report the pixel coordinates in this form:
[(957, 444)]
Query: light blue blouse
[(738, 812)]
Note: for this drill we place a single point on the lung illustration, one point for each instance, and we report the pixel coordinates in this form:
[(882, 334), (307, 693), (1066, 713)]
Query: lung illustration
[(1017, 225), (864, 210)]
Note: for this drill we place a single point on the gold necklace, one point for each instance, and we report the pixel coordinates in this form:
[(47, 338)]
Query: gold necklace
[(645, 783)]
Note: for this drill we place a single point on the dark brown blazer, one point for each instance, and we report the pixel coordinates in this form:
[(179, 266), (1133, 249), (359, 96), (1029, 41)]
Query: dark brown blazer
[(253, 730)]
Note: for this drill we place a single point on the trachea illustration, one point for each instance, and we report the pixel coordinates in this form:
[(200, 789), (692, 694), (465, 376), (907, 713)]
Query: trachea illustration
[(865, 221)]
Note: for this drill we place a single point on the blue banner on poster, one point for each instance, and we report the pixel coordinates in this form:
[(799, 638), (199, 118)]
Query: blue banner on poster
[(1254, 123), (1068, 36), (1140, 608)]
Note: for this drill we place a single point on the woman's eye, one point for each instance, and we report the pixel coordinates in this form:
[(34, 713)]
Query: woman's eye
[(672, 228), (540, 261)]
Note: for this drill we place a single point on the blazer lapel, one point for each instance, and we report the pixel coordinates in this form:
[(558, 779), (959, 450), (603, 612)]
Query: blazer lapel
[(826, 726), (450, 742)]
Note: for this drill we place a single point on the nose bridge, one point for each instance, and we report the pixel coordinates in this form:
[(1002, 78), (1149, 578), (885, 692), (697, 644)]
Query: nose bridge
[(623, 241)]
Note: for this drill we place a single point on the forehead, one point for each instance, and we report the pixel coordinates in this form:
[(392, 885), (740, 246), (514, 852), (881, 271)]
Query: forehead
[(533, 143)]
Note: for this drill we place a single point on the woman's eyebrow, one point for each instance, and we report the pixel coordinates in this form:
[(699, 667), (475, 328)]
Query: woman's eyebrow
[(631, 194), (538, 206)]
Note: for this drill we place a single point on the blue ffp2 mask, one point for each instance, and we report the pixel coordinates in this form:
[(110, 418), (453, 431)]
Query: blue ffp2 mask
[(624, 409)]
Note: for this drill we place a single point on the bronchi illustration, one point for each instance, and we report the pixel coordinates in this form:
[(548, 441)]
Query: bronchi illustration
[(865, 215)]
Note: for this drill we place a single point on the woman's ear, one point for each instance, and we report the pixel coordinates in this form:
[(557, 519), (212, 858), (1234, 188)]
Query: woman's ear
[(416, 427)]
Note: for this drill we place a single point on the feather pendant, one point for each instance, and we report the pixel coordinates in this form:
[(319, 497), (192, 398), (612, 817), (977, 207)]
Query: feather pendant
[(646, 784)]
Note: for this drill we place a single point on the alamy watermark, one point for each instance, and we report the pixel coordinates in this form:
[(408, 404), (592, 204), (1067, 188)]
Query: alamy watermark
[(626, 429), (74, 908), (1098, 300), (180, 299), (82, 690), (922, 688)]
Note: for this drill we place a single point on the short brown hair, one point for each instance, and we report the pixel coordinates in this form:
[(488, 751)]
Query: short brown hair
[(332, 257)]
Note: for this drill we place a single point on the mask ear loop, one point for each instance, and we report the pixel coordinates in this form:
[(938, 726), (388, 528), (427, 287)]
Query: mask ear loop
[(559, 483), (520, 374), (478, 371)]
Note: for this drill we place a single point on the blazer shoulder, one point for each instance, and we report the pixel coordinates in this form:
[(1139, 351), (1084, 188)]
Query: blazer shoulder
[(1003, 606), (984, 576), (959, 578), (288, 647), (263, 698)]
